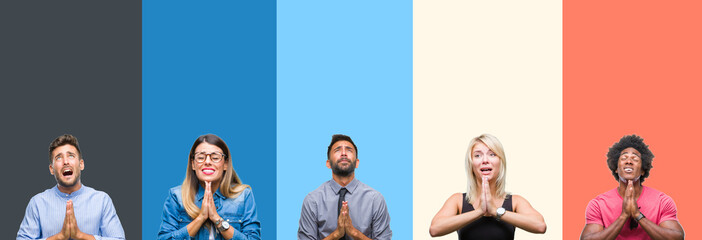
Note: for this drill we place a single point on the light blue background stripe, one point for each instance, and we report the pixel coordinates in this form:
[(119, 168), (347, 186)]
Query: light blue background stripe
[(344, 67), (208, 67)]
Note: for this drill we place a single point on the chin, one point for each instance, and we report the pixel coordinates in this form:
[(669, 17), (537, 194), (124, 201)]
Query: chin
[(209, 178)]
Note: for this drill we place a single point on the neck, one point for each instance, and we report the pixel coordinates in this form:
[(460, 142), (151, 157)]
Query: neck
[(343, 180), (71, 189), (215, 185)]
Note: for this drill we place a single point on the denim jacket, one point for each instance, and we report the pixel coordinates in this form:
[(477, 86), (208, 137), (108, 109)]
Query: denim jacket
[(240, 212)]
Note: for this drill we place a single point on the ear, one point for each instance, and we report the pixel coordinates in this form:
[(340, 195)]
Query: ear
[(225, 166), (192, 165), (357, 161), (51, 169), (82, 165), (328, 164)]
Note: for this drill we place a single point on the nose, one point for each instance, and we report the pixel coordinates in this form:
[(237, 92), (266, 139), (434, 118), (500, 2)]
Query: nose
[(208, 157), (483, 159), (343, 152)]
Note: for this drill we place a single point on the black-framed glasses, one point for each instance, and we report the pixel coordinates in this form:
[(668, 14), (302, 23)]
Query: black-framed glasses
[(214, 156)]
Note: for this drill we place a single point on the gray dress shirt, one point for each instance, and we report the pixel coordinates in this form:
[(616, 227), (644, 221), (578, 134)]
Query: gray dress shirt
[(367, 209)]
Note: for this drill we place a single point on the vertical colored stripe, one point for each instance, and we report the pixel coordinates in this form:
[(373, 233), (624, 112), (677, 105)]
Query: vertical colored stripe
[(71, 68), (631, 67), (487, 67), (208, 67), (345, 67)]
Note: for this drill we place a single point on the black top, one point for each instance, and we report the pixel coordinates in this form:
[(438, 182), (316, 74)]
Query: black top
[(487, 228)]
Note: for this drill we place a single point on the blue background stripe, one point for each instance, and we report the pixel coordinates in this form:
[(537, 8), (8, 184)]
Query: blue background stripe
[(208, 67), (345, 67)]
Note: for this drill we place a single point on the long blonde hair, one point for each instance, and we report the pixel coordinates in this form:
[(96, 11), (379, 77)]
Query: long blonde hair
[(230, 186), (496, 147)]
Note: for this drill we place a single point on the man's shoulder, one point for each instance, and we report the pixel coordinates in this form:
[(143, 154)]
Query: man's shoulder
[(364, 187), (95, 193), (652, 193), (318, 192), (46, 194)]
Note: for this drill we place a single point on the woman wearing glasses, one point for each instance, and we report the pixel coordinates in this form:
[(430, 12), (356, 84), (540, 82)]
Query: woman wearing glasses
[(212, 203), (486, 211)]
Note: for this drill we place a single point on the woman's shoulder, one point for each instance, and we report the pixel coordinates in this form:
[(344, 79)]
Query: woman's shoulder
[(456, 199), (175, 190), (516, 198)]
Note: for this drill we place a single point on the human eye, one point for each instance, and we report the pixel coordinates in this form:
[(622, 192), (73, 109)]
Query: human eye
[(476, 155), (58, 157), (71, 156)]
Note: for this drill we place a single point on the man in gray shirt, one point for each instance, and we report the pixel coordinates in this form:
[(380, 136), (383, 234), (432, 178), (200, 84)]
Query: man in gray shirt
[(343, 207)]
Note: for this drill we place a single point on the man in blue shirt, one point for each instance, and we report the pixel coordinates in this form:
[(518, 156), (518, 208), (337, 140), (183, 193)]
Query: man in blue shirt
[(343, 207), (69, 210)]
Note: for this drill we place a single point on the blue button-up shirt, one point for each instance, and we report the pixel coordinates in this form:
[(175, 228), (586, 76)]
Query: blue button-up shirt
[(240, 212), (95, 214)]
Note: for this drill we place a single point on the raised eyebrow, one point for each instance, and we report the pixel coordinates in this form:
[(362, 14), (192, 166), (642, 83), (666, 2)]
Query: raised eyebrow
[(349, 148)]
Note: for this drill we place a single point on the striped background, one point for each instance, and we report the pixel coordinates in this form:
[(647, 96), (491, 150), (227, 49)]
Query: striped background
[(557, 81)]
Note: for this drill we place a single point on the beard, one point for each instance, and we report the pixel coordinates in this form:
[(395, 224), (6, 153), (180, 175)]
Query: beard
[(343, 171), (64, 183)]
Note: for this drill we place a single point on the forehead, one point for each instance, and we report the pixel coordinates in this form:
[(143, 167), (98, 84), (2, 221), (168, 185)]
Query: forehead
[(206, 147), (342, 143), (630, 150), (66, 148), (479, 146)]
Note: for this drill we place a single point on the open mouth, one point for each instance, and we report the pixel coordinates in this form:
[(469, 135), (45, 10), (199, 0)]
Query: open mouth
[(628, 170), (67, 172), (485, 170)]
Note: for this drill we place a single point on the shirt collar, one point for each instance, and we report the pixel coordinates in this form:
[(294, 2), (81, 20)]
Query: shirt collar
[(201, 193), (69, 195), (351, 187)]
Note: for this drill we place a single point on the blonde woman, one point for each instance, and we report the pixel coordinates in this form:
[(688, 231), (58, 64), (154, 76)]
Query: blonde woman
[(486, 211), (212, 203)]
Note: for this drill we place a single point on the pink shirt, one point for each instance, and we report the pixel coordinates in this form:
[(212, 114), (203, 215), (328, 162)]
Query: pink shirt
[(655, 205)]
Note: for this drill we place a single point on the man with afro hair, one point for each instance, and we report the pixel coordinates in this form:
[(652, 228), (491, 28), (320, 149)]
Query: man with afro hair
[(631, 210)]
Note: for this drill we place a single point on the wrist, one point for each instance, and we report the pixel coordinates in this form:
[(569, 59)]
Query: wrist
[(337, 234), (214, 217), (638, 216)]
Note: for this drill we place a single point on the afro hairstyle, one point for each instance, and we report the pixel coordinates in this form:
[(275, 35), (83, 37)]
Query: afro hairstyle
[(635, 142)]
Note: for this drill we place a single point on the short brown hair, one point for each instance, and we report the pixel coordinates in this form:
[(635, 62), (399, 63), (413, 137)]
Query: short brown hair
[(63, 140)]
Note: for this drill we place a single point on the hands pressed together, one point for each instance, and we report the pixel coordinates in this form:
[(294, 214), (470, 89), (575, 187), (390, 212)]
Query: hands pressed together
[(487, 204), (344, 224), (629, 206), (208, 211), (70, 226)]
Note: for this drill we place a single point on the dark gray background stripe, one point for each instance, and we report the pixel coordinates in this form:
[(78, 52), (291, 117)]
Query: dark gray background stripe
[(70, 67)]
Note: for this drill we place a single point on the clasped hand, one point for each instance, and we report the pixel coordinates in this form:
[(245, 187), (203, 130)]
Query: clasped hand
[(344, 224), (487, 204), (208, 209), (70, 228), (629, 206)]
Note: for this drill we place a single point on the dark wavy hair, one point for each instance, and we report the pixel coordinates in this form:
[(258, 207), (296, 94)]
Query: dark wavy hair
[(635, 142)]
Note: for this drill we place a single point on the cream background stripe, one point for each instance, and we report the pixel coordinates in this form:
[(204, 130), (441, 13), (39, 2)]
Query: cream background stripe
[(488, 67)]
